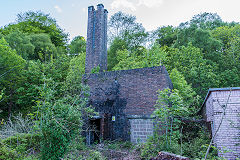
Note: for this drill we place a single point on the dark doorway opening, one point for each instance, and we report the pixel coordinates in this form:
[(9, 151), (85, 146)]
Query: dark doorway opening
[(93, 135)]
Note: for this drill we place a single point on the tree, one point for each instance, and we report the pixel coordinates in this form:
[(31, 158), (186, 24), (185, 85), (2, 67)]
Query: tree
[(76, 69), (61, 117), (35, 23), (77, 45), (166, 35), (21, 43), (117, 45), (125, 33), (125, 27), (127, 61), (190, 99), (119, 23), (28, 92), (11, 77), (155, 56), (206, 21), (44, 49), (230, 53), (169, 110), (191, 63), (199, 38)]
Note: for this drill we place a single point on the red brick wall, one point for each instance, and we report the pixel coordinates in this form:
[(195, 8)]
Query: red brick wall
[(138, 87)]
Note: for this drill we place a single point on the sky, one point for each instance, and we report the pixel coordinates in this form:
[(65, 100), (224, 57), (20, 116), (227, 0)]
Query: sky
[(71, 15)]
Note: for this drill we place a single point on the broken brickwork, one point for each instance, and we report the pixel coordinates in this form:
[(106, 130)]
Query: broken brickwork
[(126, 94)]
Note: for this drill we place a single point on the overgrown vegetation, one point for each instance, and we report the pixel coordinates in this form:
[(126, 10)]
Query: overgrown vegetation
[(175, 131), (41, 74)]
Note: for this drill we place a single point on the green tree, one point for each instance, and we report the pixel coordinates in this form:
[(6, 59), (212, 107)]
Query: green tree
[(61, 118), (62, 109), (77, 45), (44, 48), (230, 53), (21, 43), (166, 35), (127, 61), (191, 63), (11, 77), (35, 23), (155, 56), (117, 45), (28, 92), (199, 38), (169, 110), (119, 23), (77, 66), (185, 90), (125, 27), (204, 21), (39, 22)]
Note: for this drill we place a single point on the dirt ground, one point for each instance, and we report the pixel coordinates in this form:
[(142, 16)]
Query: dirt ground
[(118, 153)]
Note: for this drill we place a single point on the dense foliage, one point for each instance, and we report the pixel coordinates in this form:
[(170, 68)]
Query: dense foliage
[(203, 50)]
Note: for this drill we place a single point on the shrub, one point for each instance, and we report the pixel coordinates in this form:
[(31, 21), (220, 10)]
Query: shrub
[(60, 117), (17, 125), (26, 140), (95, 155), (18, 146), (7, 153), (175, 135)]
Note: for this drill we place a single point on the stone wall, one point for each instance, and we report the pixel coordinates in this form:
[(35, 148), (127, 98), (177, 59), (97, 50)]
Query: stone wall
[(228, 136), (125, 93)]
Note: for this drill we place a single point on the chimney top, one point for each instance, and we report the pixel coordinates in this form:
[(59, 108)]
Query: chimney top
[(91, 8), (100, 6)]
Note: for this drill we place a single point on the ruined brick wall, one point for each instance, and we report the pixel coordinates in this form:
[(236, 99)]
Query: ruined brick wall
[(228, 136), (96, 48), (118, 95), (125, 93)]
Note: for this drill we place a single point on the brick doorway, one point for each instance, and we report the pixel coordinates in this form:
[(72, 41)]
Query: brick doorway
[(99, 129), (93, 133)]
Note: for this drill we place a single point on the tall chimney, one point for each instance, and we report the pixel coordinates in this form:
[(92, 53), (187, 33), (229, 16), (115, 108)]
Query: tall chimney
[(96, 49)]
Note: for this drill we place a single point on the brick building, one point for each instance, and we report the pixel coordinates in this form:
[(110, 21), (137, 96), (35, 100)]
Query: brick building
[(124, 99), (224, 102)]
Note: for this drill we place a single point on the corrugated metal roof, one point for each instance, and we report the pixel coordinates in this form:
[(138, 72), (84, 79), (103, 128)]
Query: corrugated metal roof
[(218, 89)]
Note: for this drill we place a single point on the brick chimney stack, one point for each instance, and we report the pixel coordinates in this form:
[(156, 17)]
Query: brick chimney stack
[(96, 49)]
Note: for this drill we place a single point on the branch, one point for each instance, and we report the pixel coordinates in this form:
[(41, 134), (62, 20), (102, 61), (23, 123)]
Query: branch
[(6, 72)]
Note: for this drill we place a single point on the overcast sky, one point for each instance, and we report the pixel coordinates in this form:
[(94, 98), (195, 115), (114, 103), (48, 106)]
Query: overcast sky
[(71, 15)]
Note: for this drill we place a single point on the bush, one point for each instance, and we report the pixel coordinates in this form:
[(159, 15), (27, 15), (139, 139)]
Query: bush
[(29, 141), (17, 147), (115, 145), (157, 143), (194, 148), (7, 153), (95, 155), (60, 118), (17, 125)]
